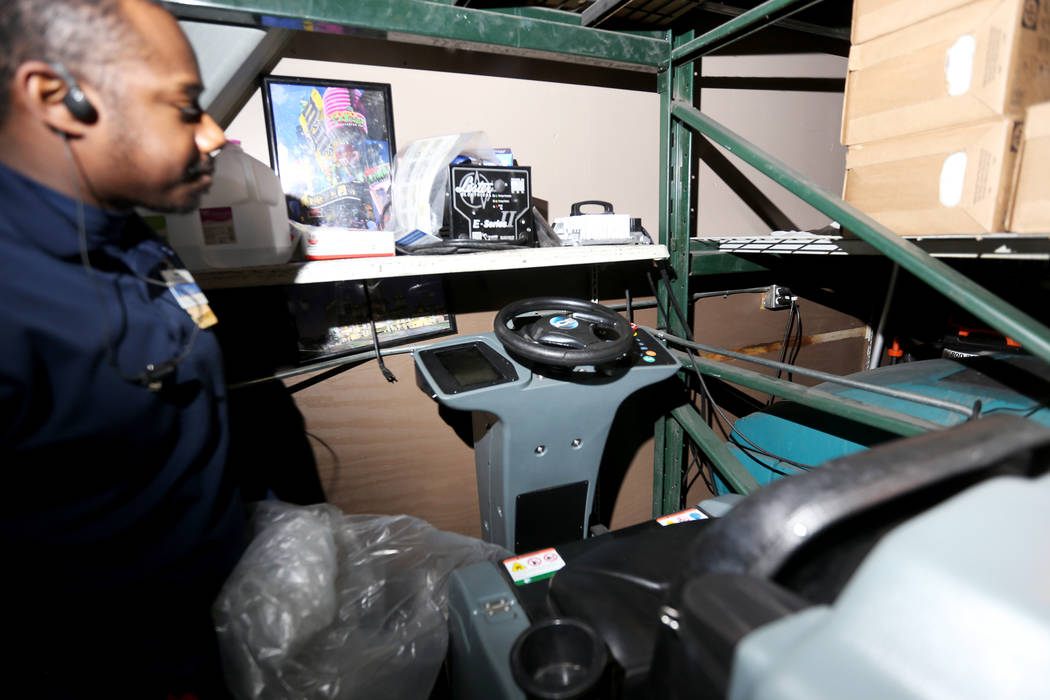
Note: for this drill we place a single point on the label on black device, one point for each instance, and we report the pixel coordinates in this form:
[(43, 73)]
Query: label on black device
[(490, 203)]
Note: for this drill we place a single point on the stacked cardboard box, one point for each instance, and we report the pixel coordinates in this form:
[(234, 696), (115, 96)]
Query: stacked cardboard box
[(934, 111), (1030, 208)]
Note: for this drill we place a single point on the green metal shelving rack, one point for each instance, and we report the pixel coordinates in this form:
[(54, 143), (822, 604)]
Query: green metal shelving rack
[(684, 123), (535, 31)]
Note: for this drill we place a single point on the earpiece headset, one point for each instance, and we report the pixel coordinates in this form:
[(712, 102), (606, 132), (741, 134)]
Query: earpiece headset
[(75, 100)]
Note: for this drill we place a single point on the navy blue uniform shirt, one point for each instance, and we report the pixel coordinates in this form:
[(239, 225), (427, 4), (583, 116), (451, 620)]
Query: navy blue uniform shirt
[(118, 524)]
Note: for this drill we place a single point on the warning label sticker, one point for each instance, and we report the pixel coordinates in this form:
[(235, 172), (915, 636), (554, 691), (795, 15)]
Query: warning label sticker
[(681, 517), (534, 566)]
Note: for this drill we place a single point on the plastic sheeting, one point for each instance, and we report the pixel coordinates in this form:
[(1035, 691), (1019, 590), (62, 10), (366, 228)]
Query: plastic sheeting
[(324, 605)]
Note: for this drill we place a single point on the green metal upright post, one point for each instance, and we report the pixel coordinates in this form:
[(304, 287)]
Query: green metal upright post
[(676, 226)]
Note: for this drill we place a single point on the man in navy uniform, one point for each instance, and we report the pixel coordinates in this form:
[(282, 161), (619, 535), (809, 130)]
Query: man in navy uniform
[(119, 522)]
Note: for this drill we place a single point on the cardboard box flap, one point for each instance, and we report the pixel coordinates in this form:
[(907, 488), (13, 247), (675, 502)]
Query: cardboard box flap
[(873, 18), (944, 29), (938, 141), (1030, 209), (986, 59), (1037, 122), (953, 180)]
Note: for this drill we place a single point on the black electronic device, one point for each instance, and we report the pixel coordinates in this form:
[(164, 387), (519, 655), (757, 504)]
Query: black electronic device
[(490, 203), (75, 100)]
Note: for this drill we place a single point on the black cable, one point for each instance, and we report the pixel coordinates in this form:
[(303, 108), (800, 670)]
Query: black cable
[(798, 338), (703, 470), (375, 338), (674, 302), (749, 452), (461, 245), (152, 376), (379, 356), (784, 346), (751, 447), (335, 457), (703, 385), (755, 447), (661, 313)]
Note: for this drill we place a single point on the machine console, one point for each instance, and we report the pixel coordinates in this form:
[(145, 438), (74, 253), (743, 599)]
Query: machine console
[(542, 411)]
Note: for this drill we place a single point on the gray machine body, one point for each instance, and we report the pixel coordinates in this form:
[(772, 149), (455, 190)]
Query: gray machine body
[(484, 619), (951, 604), (534, 433)]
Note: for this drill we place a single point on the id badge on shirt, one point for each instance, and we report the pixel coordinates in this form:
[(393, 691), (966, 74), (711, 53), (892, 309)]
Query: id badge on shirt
[(190, 297)]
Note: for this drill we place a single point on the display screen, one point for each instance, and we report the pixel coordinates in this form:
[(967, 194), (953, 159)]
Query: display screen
[(468, 367)]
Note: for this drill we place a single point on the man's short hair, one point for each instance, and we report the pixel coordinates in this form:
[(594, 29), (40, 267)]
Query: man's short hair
[(84, 35)]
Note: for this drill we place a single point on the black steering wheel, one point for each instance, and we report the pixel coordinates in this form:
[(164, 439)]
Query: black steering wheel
[(571, 332)]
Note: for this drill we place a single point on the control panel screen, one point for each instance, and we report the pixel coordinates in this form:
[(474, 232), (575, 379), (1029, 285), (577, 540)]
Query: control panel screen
[(468, 367)]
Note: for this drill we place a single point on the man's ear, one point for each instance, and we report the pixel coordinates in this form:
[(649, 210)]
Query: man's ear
[(51, 94)]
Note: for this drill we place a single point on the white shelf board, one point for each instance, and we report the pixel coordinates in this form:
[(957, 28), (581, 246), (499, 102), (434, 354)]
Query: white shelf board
[(410, 265)]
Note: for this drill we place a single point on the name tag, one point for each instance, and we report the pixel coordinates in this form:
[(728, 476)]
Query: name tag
[(190, 297)]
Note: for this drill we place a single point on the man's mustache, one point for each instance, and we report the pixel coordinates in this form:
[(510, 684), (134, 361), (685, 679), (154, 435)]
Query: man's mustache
[(199, 168)]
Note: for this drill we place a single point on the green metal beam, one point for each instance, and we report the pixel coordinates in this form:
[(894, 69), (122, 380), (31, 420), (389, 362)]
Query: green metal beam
[(728, 467), (659, 431), (960, 409), (440, 21), (1003, 317), (574, 18), (676, 225), (740, 26), (540, 12), (879, 417), (671, 496), (662, 426)]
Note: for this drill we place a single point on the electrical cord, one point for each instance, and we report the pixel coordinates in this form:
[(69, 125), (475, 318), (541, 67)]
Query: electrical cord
[(791, 344), (375, 338), (798, 338), (703, 385), (461, 245), (703, 472), (332, 452), (750, 452)]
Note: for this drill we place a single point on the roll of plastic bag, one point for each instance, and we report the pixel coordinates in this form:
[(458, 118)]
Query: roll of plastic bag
[(421, 178), (324, 605)]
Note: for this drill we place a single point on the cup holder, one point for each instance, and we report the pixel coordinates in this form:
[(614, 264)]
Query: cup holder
[(559, 659)]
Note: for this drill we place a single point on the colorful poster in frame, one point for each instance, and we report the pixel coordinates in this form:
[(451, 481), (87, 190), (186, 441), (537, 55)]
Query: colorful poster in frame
[(332, 146)]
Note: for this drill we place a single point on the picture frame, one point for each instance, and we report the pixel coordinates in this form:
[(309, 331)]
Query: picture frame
[(332, 146)]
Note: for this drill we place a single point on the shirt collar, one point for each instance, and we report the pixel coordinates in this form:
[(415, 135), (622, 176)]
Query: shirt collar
[(48, 219)]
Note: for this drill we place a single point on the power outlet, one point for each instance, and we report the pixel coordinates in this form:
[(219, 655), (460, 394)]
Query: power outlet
[(777, 298)]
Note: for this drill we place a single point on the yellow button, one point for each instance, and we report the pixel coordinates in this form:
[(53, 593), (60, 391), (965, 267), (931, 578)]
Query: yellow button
[(650, 353)]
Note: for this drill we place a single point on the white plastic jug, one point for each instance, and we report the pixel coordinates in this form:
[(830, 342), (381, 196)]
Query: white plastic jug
[(242, 221)]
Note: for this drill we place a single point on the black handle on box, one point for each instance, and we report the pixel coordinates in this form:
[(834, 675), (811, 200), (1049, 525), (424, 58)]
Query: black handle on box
[(575, 210)]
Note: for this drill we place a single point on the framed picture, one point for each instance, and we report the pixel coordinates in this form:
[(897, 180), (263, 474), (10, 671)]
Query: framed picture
[(331, 145), (334, 318)]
